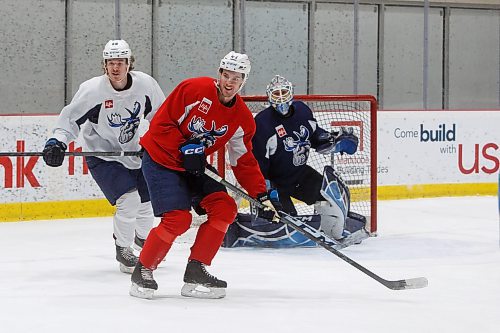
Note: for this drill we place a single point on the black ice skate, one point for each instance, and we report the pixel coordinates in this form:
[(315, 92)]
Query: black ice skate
[(127, 259), (143, 283), (138, 243), (201, 284)]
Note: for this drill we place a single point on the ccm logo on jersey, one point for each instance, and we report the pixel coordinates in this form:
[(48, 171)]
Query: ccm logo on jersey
[(280, 130), (205, 105), (108, 104)]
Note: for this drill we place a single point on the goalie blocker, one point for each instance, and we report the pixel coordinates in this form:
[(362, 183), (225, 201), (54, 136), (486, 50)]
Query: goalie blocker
[(334, 219)]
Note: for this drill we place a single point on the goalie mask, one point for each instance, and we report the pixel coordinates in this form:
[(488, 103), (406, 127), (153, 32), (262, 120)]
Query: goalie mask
[(280, 94), (236, 62), (116, 49)]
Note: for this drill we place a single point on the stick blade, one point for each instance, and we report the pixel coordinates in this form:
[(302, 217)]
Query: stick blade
[(415, 283)]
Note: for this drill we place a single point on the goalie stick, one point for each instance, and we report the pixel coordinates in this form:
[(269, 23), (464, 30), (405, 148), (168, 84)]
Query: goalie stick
[(323, 240), (75, 153)]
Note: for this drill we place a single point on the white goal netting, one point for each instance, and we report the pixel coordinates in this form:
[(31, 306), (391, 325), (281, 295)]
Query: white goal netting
[(358, 170)]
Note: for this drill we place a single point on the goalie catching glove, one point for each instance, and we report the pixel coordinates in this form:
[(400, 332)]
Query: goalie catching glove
[(270, 200), (343, 141), (193, 156)]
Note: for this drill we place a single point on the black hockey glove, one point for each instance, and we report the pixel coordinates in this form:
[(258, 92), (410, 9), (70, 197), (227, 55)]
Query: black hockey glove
[(273, 205), (193, 156), (53, 152)]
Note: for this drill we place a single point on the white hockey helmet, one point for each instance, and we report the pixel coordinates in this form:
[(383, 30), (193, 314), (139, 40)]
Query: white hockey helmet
[(236, 62), (116, 49), (280, 94)]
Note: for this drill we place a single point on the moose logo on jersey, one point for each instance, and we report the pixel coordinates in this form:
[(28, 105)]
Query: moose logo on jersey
[(128, 126), (208, 136), (299, 146)]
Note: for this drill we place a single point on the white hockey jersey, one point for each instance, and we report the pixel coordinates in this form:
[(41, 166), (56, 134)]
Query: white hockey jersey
[(107, 119)]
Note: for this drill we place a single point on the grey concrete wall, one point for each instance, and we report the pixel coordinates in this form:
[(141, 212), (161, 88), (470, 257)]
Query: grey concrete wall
[(48, 47), (190, 38), (33, 57)]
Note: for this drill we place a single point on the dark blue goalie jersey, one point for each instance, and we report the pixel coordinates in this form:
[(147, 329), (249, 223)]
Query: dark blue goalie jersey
[(281, 144)]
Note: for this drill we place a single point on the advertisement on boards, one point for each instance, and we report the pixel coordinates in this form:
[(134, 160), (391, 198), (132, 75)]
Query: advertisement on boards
[(436, 147)]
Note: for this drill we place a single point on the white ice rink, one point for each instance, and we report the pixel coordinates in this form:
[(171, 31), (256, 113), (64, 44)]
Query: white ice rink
[(61, 276)]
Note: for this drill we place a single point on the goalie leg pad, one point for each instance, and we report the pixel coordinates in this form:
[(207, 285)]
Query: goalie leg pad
[(334, 210), (243, 233), (332, 219), (354, 222)]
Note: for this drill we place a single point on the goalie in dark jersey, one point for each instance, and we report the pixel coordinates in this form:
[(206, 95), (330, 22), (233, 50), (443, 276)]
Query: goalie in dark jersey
[(286, 131)]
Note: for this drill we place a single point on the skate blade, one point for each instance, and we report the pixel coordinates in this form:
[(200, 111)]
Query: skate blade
[(140, 292), (199, 291), (126, 269)]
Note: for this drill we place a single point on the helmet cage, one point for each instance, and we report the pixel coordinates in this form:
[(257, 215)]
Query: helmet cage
[(280, 94)]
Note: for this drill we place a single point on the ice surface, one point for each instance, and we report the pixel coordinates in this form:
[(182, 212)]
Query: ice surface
[(61, 276)]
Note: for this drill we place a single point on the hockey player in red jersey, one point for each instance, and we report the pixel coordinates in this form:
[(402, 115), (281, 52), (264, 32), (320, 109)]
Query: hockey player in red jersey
[(200, 116)]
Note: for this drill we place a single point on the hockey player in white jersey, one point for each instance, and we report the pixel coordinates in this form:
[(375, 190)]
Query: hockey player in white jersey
[(109, 112)]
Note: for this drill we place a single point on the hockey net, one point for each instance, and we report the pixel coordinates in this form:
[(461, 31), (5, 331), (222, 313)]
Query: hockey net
[(359, 171)]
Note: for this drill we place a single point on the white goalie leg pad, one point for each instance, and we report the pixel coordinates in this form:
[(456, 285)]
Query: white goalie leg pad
[(199, 291), (144, 220), (334, 210), (332, 219), (140, 292), (124, 219)]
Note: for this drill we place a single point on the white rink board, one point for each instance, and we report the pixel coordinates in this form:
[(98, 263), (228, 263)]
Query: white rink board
[(39, 182), (407, 156), (401, 160)]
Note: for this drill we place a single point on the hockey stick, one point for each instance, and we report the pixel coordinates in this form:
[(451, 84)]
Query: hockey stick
[(323, 240), (75, 153)]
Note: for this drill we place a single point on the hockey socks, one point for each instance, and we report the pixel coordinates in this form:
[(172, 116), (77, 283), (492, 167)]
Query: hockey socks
[(207, 243), (154, 250)]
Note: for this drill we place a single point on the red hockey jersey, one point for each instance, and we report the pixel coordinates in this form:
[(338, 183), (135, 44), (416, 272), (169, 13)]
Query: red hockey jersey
[(193, 108)]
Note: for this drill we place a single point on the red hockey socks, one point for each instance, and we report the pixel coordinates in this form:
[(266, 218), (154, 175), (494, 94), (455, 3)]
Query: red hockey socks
[(221, 210), (160, 239), (154, 250), (207, 243)]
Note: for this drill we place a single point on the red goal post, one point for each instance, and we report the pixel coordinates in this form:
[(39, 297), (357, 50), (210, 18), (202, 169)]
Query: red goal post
[(359, 171)]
